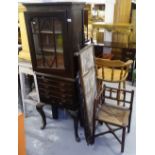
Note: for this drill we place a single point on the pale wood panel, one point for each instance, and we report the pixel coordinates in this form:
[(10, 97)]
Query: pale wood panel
[(25, 53), (121, 15), (122, 11), (133, 22)]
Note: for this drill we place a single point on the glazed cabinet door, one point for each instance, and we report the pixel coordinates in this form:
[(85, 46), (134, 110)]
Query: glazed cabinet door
[(47, 33)]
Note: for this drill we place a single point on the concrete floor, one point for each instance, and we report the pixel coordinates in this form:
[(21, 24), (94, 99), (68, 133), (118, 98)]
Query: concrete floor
[(58, 137)]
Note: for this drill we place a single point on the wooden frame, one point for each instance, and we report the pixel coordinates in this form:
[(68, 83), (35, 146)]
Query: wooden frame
[(59, 15), (89, 85)]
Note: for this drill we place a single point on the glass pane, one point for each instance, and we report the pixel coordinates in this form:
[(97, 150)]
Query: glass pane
[(48, 42), (59, 43)]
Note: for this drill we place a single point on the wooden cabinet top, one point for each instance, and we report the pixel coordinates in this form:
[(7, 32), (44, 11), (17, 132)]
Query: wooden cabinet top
[(53, 3), (117, 45)]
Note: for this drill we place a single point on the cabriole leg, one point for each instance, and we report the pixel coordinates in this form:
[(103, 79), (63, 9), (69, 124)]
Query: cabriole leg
[(39, 108)]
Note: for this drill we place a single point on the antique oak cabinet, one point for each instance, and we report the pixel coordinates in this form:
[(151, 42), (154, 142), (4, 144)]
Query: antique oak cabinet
[(55, 34)]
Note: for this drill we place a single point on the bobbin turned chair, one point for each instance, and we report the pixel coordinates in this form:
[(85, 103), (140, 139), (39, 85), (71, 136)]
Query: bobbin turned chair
[(107, 111)]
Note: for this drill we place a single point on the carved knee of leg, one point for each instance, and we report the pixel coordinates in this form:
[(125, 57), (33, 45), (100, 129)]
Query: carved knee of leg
[(39, 106)]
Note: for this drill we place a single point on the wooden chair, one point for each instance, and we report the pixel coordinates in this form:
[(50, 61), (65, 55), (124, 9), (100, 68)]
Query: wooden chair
[(106, 111), (113, 71)]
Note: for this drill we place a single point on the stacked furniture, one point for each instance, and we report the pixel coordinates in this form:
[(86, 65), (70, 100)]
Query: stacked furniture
[(65, 69)]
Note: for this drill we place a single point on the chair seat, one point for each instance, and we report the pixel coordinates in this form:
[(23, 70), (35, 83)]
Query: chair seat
[(113, 115), (108, 74)]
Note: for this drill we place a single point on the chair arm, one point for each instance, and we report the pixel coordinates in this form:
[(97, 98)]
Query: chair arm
[(128, 63)]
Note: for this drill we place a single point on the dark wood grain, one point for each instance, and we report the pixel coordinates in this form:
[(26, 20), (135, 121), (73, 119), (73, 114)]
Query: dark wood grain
[(57, 75)]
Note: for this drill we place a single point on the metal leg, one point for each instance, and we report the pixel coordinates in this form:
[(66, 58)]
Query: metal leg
[(39, 108), (123, 139)]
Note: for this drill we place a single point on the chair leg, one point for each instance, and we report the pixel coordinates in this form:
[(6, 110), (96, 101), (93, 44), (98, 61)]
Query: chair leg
[(119, 93), (133, 77), (129, 123), (124, 87), (124, 84), (129, 128), (119, 85), (123, 139)]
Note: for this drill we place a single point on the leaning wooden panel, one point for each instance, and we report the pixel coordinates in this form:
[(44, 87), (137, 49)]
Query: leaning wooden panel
[(87, 59), (89, 87)]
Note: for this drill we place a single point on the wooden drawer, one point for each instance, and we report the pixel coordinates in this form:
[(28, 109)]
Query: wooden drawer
[(56, 91)]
